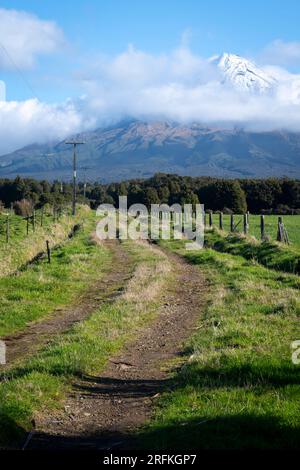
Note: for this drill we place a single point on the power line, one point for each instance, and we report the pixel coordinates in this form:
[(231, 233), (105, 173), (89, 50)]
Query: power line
[(23, 77)]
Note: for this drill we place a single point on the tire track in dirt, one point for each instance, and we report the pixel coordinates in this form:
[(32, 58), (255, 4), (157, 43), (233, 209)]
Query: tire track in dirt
[(38, 334), (104, 411)]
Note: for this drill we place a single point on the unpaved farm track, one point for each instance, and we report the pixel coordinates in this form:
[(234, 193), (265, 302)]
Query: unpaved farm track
[(40, 333), (104, 411)]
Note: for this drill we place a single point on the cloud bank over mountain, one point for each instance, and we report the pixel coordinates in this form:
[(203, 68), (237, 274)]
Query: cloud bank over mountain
[(179, 85)]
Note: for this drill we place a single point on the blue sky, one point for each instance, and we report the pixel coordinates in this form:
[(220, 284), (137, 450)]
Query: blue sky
[(74, 65), (153, 26)]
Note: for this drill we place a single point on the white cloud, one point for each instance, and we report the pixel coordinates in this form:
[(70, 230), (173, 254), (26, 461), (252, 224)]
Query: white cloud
[(2, 91), (30, 121), (185, 87), (24, 36), (179, 86), (282, 53)]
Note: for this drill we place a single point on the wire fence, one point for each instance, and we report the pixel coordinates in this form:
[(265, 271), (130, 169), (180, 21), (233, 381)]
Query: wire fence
[(284, 229), (15, 227)]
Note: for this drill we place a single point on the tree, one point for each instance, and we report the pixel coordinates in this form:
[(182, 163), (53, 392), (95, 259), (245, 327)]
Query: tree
[(150, 197)]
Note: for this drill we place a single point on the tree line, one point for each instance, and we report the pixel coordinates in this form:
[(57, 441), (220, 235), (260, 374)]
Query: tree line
[(272, 195)]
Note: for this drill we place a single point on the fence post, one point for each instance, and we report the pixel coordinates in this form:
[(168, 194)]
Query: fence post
[(280, 230), (48, 251), (262, 227), (231, 223), (221, 220), (42, 216), (245, 224), (7, 228), (205, 221), (210, 219), (33, 220), (27, 227)]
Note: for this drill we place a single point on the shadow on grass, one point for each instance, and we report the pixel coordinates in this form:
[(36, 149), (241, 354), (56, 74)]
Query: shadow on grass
[(244, 431), (236, 431), (260, 376), (122, 389), (222, 432)]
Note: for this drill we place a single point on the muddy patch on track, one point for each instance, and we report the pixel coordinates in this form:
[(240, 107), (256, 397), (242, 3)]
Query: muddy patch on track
[(104, 411)]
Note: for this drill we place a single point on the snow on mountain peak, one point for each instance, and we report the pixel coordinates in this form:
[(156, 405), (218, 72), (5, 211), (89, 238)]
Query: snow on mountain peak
[(244, 74)]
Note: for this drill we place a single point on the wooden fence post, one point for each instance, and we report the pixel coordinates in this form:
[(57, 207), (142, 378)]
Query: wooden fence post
[(42, 216), (205, 221), (262, 227), (280, 230), (231, 223), (210, 219), (48, 252), (245, 224), (7, 228), (221, 220), (33, 220)]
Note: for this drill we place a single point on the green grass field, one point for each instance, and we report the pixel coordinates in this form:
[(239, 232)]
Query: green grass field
[(42, 287), (291, 222), (238, 388), (235, 385), (21, 247)]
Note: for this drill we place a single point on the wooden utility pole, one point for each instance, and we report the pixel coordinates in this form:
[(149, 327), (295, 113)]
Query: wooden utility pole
[(74, 143), (84, 168)]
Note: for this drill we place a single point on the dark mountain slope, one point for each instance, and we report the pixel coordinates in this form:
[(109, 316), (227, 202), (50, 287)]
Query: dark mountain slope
[(139, 149)]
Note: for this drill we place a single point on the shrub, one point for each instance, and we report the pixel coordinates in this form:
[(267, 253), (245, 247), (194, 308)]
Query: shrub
[(23, 207)]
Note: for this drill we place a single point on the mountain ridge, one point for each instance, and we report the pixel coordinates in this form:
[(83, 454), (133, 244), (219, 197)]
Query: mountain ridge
[(141, 148)]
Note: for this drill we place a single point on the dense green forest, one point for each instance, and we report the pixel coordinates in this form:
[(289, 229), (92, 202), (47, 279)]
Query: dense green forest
[(256, 195)]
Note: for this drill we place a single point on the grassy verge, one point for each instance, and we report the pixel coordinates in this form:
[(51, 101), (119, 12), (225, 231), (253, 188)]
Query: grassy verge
[(40, 288), (42, 382), (238, 388), (270, 254), (22, 248)]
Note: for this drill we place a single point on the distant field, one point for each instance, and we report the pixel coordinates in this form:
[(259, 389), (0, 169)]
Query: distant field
[(291, 222)]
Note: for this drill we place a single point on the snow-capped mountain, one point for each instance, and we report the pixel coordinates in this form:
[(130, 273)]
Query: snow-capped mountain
[(244, 74)]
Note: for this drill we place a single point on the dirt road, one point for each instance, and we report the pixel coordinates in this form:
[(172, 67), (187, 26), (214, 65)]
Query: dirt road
[(105, 410)]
